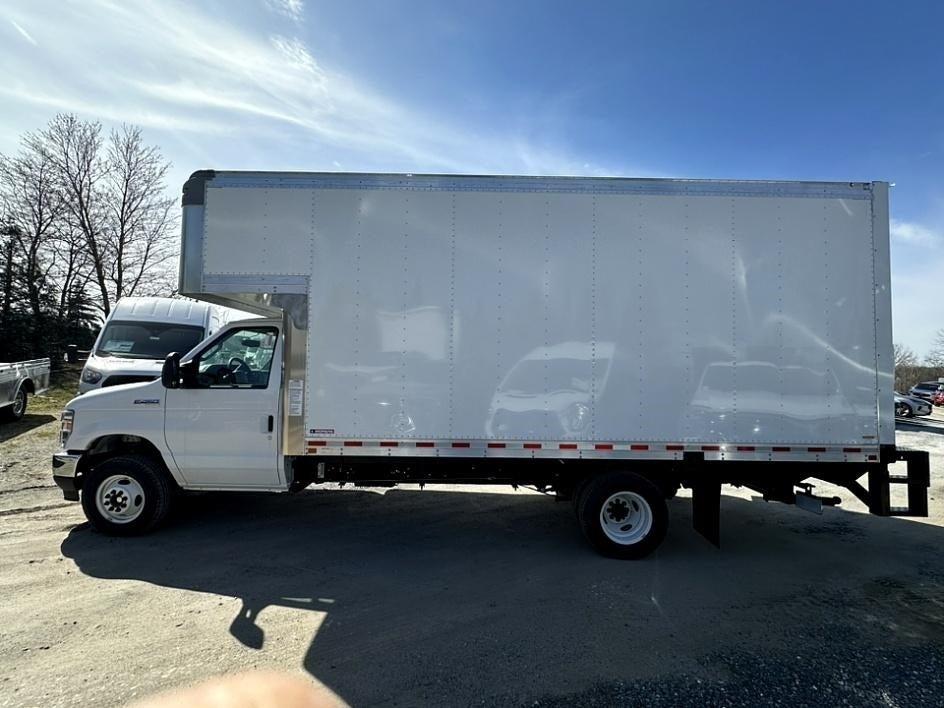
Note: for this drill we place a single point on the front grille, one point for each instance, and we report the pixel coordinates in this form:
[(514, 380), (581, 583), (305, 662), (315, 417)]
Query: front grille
[(119, 379)]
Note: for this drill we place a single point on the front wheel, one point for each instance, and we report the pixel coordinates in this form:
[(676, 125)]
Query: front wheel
[(623, 515), (903, 410), (126, 496)]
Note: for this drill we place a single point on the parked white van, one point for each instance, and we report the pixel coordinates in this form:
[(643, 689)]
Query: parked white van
[(141, 331)]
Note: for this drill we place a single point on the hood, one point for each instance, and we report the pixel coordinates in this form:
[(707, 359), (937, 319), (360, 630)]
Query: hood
[(120, 365), (119, 397), (109, 366)]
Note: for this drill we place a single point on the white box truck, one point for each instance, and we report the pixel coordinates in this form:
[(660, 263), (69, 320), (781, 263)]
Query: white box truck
[(604, 340), (140, 332)]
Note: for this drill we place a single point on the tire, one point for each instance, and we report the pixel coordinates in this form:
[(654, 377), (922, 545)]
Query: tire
[(577, 495), (903, 410), (623, 515), (126, 495), (17, 410)]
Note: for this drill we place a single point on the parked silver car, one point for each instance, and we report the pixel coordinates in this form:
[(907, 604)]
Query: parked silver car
[(909, 406), (925, 389)]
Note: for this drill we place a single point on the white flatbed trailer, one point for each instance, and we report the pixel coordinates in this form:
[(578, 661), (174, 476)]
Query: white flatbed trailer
[(18, 381), (605, 339)]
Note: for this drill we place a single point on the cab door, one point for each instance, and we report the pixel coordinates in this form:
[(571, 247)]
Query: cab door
[(220, 426)]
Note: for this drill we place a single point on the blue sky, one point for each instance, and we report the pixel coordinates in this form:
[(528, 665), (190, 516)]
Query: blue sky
[(753, 90)]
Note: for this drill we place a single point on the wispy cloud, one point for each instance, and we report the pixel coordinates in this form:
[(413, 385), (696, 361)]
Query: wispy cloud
[(293, 9), (296, 53), (26, 35), (179, 68), (914, 233)]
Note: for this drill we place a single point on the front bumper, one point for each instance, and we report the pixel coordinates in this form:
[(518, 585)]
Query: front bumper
[(64, 467)]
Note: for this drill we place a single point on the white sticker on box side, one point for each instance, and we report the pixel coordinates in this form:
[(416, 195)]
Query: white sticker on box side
[(296, 397)]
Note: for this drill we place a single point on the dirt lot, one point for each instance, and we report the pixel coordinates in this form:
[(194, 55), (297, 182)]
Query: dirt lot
[(487, 597)]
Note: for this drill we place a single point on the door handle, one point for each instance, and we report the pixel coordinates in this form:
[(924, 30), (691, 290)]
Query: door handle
[(271, 424)]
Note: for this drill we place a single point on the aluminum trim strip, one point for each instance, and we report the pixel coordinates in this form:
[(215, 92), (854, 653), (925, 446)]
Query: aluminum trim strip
[(588, 450), (595, 185), (256, 283)]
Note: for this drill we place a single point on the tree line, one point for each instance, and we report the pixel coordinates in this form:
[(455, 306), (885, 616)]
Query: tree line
[(85, 219), (910, 370)]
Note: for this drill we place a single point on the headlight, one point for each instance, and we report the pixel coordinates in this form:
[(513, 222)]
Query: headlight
[(66, 421), (91, 376)]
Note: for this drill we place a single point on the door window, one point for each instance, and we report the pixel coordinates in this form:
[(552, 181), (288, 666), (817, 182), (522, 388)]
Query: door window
[(241, 358)]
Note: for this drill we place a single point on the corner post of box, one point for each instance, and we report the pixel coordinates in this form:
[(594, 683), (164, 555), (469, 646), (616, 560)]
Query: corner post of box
[(884, 355), (193, 203)]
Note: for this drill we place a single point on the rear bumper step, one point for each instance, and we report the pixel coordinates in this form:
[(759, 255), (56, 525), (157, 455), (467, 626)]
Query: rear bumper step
[(917, 480)]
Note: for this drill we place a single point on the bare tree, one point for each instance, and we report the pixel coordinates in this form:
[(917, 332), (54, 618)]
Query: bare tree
[(84, 221), (76, 151), (935, 356), (905, 356), (140, 218), (10, 266), (117, 207), (32, 206), (73, 269)]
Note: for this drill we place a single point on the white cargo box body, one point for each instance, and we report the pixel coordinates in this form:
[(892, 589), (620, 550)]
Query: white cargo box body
[(546, 316)]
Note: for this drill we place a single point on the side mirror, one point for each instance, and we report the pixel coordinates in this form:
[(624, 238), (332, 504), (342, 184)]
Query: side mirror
[(170, 373)]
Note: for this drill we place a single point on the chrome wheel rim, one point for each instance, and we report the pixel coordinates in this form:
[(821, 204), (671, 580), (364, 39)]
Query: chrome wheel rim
[(120, 499), (19, 403), (626, 518)]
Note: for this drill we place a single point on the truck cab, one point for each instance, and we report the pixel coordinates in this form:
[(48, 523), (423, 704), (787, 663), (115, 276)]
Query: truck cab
[(211, 421)]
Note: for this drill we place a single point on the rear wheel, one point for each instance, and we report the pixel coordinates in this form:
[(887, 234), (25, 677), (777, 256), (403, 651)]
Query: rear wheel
[(126, 495), (17, 409), (576, 496), (623, 515)]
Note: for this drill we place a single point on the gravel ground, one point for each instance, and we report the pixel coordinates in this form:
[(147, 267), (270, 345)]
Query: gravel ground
[(487, 597)]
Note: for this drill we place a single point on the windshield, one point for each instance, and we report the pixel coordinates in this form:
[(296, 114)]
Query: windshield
[(147, 340)]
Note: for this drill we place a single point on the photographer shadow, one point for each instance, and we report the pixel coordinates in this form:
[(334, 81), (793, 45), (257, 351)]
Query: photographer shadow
[(445, 597)]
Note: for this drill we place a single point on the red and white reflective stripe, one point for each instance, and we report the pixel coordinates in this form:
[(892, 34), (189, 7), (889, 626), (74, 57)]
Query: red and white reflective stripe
[(641, 450)]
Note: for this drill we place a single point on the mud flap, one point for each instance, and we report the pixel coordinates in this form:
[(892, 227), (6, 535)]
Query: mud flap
[(706, 509), (706, 497)]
